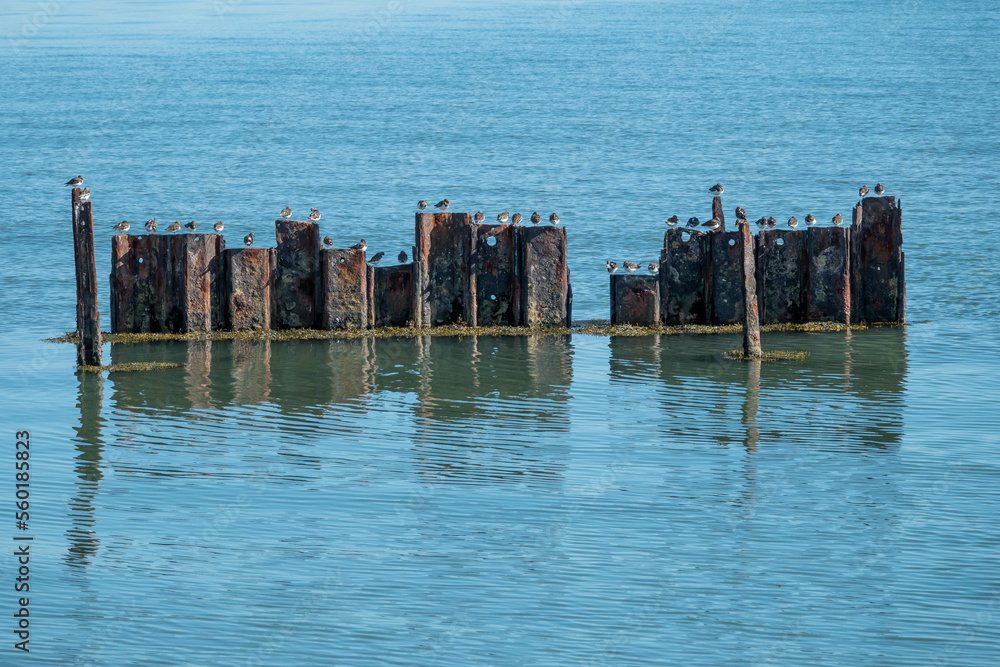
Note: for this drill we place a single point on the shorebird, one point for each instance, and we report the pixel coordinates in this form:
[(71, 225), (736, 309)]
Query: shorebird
[(654, 268), (672, 221), (692, 222), (503, 216), (314, 215), (192, 225), (286, 212), (516, 218), (422, 204), (151, 225), (328, 241), (248, 240), (121, 226), (554, 218), (863, 191), (443, 204), (376, 258), (879, 190), (360, 245), (717, 189), (793, 222), (218, 227), (480, 216), (838, 220), (75, 181), (629, 266), (173, 226), (402, 257), (741, 213), (85, 194), (772, 222), (713, 224), (612, 266), (762, 222), (535, 218), (810, 220)]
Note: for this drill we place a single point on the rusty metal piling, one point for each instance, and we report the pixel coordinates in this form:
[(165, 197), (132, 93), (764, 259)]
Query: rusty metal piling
[(88, 321)]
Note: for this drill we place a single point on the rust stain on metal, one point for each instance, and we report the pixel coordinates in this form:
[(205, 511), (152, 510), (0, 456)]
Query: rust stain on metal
[(494, 275), (297, 291), (88, 321), (827, 290), (635, 299), (727, 294), (781, 271), (683, 267), (248, 289), (544, 276), (393, 295), (443, 250), (344, 296), (883, 294), (718, 213), (748, 283)]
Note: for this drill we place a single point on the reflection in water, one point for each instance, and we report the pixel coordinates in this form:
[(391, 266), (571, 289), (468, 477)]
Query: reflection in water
[(83, 541)]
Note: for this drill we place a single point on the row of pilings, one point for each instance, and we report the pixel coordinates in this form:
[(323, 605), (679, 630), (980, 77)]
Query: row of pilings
[(820, 274)]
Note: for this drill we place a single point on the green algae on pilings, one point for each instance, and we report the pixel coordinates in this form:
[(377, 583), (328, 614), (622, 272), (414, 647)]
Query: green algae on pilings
[(588, 328), (130, 367), (773, 355)]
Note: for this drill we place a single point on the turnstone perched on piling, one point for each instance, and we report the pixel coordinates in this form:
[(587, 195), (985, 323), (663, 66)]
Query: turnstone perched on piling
[(672, 221), (248, 240), (443, 204), (863, 191), (810, 220), (173, 226), (360, 245), (713, 224), (554, 218), (717, 189), (879, 189), (838, 220), (376, 258), (402, 257), (479, 217), (741, 213), (218, 227), (693, 222), (762, 222), (535, 218), (151, 225), (121, 226), (654, 268), (75, 181), (503, 216), (314, 214), (517, 218), (192, 225), (793, 222), (772, 222), (286, 212), (85, 194), (328, 241), (422, 204), (629, 266), (612, 266)]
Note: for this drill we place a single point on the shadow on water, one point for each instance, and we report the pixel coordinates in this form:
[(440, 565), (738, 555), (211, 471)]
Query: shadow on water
[(83, 541)]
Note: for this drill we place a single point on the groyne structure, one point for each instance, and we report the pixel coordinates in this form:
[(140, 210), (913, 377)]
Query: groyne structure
[(850, 274)]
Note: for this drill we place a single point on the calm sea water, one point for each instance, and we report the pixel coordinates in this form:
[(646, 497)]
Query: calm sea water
[(506, 501)]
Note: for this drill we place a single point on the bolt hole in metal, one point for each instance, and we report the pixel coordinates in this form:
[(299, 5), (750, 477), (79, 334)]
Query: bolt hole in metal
[(493, 297), (140, 260), (780, 241), (343, 261), (491, 241), (685, 237), (732, 242)]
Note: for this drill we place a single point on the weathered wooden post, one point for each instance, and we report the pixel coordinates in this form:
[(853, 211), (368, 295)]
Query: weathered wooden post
[(781, 271), (724, 280), (635, 300), (344, 289), (748, 272), (684, 263), (494, 275), (828, 289), (297, 291), (717, 212), (248, 289), (88, 321), (544, 275)]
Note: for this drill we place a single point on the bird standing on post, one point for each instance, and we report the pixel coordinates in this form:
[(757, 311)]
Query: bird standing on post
[(121, 226), (741, 213), (772, 222), (863, 191), (286, 212), (192, 225), (612, 266), (630, 266), (151, 225), (480, 216), (360, 245), (535, 218), (174, 226), (75, 181), (654, 268), (502, 217), (879, 189), (248, 240), (328, 241), (554, 218), (443, 204), (672, 221), (314, 214), (810, 220), (793, 222), (422, 204), (838, 220), (762, 222), (402, 257), (516, 218), (713, 224), (717, 189), (376, 258), (85, 194), (693, 222), (218, 227)]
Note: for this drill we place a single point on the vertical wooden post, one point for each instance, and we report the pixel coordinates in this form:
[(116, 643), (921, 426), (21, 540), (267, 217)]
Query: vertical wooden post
[(88, 321), (748, 271), (717, 212)]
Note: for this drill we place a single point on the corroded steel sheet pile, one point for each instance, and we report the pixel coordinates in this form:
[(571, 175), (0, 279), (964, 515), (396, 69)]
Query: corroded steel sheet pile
[(880, 271), (344, 300), (683, 270), (725, 282), (248, 289), (297, 280), (88, 321), (545, 293), (780, 273), (635, 299), (195, 283), (393, 295), (443, 249), (494, 280), (827, 289)]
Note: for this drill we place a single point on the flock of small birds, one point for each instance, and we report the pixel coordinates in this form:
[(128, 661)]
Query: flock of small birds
[(763, 222), (502, 217)]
